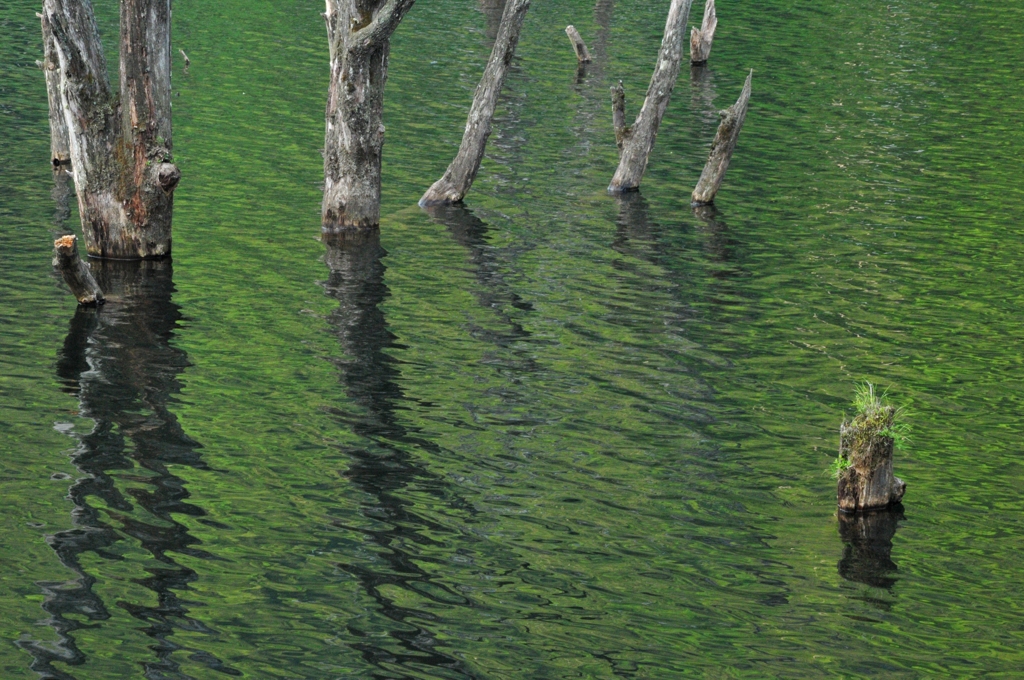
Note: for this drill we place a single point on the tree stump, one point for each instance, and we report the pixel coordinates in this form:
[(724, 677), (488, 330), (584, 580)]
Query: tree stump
[(578, 46), (722, 148), (75, 272), (637, 145), (700, 40), (864, 444), (359, 35), (458, 178)]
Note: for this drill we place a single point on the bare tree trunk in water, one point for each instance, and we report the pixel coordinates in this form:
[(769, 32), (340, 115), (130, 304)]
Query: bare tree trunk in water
[(700, 40), (639, 142), (722, 148), (359, 33), (60, 152), (458, 178), (120, 146), (578, 46)]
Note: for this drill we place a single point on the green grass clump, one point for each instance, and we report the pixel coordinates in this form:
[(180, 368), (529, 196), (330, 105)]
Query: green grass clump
[(838, 467), (872, 406)]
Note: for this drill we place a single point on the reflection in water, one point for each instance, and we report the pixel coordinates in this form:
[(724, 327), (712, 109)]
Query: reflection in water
[(493, 292), (867, 557), (716, 243), (633, 226), (381, 465), (118, 360), (703, 93), (492, 9)]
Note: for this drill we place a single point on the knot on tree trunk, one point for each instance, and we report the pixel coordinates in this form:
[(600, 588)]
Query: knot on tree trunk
[(167, 176), (866, 446)]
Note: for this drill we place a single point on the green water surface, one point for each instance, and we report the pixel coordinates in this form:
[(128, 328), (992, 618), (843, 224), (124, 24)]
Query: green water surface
[(551, 433)]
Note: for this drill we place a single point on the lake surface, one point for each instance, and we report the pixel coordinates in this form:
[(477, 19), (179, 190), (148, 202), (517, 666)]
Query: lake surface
[(552, 433)]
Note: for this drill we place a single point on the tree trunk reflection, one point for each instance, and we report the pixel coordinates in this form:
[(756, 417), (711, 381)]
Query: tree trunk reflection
[(119, 361)]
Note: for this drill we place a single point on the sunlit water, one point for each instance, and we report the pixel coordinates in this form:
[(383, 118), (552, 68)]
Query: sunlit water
[(552, 433)]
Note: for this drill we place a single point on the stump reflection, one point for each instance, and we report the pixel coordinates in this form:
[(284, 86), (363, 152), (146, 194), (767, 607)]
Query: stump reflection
[(867, 557), (119, 362), (383, 463)]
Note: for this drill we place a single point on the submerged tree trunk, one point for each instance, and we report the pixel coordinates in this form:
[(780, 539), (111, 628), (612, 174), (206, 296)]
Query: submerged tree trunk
[(868, 482), (359, 33), (700, 40), (722, 148), (60, 152), (639, 142), (120, 146), (76, 273), (578, 46), (458, 178)]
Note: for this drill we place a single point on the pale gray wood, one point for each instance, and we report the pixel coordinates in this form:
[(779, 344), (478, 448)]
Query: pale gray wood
[(578, 46), (700, 40), (359, 35), (869, 482), (60, 148), (458, 178), (722, 148), (637, 148), (75, 272), (120, 145)]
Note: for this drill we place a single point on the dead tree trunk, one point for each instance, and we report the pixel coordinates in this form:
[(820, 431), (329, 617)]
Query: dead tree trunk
[(578, 46), (359, 33), (868, 482), (722, 148), (458, 178), (639, 142), (700, 40), (76, 273), (120, 146), (60, 152)]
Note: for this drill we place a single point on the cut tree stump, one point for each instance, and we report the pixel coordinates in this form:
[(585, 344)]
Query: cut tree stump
[(638, 142), (75, 272), (722, 148), (578, 46), (700, 40), (458, 178), (359, 35), (868, 483)]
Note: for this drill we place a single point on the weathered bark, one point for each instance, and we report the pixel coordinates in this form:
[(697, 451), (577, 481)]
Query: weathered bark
[(75, 272), (578, 46), (722, 148), (638, 146), (458, 178), (60, 151), (359, 33), (700, 40), (120, 146), (868, 483)]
